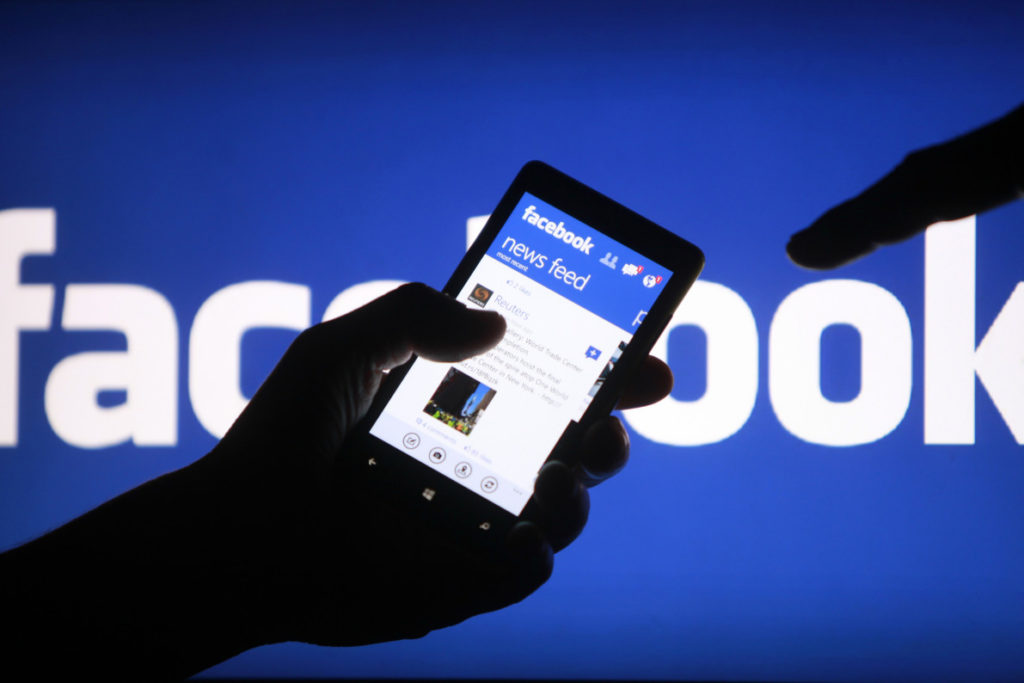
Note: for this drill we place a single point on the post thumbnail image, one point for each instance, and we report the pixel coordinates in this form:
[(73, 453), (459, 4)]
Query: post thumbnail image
[(599, 382), (459, 401)]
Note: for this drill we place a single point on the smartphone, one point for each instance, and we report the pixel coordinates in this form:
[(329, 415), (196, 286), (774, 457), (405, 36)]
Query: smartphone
[(586, 287)]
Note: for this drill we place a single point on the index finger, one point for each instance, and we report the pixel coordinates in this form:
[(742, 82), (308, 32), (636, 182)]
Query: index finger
[(415, 318), (967, 175)]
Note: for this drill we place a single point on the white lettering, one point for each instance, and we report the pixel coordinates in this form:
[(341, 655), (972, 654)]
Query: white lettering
[(569, 277), (794, 362), (556, 230), (23, 232), (216, 338), (1000, 362), (147, 370), (731, 391), (524, 252), (950, 358)]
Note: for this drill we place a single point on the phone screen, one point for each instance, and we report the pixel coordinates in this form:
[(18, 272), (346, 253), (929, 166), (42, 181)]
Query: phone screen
[(573, 298)]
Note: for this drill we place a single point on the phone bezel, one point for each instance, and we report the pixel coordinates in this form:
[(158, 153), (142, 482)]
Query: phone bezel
[(462, 512)]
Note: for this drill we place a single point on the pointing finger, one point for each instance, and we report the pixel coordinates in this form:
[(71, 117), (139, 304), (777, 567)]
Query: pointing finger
[(969, 174)]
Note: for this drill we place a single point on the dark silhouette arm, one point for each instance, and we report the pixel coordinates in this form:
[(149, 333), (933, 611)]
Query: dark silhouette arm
[(264, 539)]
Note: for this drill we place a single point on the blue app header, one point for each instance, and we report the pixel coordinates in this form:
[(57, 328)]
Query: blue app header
[(578, 262)]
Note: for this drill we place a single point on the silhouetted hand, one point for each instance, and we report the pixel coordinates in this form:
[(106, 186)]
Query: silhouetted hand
[(265, 539), (407, 579), (967, 175)]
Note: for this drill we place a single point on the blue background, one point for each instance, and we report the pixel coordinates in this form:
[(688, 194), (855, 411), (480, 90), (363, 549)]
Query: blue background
[(610, 294), (186, 147)]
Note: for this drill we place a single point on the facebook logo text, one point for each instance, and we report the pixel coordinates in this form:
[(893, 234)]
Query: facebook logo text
[(557, 230)]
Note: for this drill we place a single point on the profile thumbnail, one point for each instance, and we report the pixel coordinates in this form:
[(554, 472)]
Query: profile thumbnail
[(480, 295), (459, 401)]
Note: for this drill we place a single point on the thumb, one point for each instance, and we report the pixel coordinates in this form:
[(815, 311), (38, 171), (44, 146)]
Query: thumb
[(324, 383), (417, 319)]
